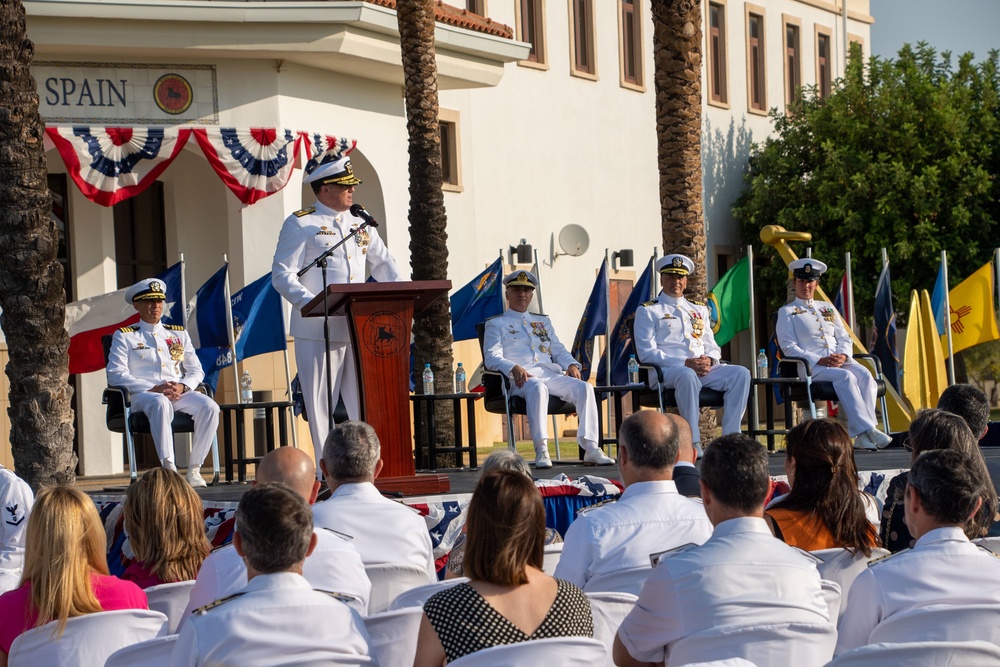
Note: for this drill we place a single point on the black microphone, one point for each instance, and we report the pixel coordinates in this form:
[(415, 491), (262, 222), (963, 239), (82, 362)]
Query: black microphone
[(359, 211)]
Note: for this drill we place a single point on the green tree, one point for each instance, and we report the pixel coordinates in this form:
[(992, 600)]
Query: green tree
[(903, 154)]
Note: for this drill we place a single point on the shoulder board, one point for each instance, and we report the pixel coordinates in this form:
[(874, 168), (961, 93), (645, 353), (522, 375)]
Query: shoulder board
[(652, 302), (882, 559), (343, 597), (343, 536), (660, 556), (493, 318), (221, 546), (697, 302), (201, 611), (987, 549), (129, 329), (173, 327), (305, 211), (595, 506)]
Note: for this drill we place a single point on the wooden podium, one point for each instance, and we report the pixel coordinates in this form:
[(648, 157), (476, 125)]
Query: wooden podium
[(379, 316)]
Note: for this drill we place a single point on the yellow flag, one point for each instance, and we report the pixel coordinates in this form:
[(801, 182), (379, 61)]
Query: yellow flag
[(924, 376), (973, 315)]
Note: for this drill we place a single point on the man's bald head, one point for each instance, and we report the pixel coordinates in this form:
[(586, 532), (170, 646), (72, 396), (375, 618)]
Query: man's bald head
[(293, 467), (685, 444), (649, 441)]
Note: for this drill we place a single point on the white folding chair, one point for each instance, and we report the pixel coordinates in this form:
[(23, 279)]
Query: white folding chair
[(552, 652), (87, 640), (832, 595), (944, 623), (921, 654), (393, 635), (389, 580), (608, 611), (416, 597), (150, 653), (627, 580), (799, 644), (843, 567), (171, 601), (553, 552)]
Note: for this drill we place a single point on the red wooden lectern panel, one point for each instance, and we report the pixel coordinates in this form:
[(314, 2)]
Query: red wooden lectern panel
[(380, 316)]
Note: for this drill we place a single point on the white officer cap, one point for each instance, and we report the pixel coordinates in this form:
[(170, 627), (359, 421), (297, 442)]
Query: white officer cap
[(332, 169), (150, 289), (807, 268), (521, 279), (679, 265), (17, 500)]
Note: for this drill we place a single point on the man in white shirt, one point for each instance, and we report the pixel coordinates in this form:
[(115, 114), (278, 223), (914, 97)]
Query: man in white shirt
[(813, 330), (333, 566), (16, 499), (943, 568), (740, 577), (384, 530), (649, 517)]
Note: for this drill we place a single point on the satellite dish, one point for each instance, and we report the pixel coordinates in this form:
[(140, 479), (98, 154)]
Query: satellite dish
[(574, 240)]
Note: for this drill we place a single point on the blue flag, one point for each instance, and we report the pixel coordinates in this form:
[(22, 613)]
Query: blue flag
[(173, 309), (476, 302), (258, 321), (593, 323), (937, 301), (208, 328), (884, 346), (621, 338)]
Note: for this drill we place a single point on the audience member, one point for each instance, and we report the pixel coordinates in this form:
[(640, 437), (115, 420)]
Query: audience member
[(15, 503), (935, 429), (508, 598), (824, 509), (944, 490), (649, 517), (685, 474), (334, 566), (165, 523), (65, 569), (741, 576), (384, 531), (277, 618)]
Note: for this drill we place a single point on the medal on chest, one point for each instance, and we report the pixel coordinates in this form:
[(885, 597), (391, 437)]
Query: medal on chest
[(325, 231), (697, 325), (176, 348), (827, 314), (363, 240), (538, 329)]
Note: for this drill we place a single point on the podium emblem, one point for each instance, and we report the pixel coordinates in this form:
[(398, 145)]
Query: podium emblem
[(383, 334)]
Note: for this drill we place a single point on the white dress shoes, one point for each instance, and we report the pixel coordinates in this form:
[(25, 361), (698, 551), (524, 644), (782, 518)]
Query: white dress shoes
[(596, 457)]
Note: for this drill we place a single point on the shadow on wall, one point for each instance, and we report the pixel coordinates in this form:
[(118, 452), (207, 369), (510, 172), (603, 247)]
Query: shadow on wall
[(724, 158)]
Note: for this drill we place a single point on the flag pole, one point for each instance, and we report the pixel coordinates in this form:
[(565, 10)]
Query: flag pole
[(607, 336), (229, 331), (184, 303), (850, 293), (753, 333), (653, 283), (947, 320), (288, 379)]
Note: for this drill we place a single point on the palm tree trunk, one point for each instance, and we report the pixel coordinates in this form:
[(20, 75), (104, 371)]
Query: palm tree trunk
[(31, 279), (428, 222)]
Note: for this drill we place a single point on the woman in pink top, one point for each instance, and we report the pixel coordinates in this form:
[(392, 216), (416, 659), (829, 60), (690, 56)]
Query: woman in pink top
[(65, 569)]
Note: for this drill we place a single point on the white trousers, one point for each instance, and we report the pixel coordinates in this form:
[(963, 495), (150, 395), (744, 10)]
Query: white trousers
[(310, 360), (856, 390), (732, 380), (536, 393), (160, 411)]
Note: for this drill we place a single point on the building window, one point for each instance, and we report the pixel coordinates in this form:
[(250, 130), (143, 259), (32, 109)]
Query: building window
[(140, 236), (582, 21), (630, 37), (717, 66), (824, 64), (476, 6), (530, 17), (756, 69), (451, 164), (793, 62)]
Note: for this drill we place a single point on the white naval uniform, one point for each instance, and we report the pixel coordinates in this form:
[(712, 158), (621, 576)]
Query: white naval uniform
[(16, 500), (649, 517), (334, 566), (741, 576), (670, 330), (384, 531), (140, 358), (304, 236), (943, 568), (278, 620), (813, 330), (529, 341)]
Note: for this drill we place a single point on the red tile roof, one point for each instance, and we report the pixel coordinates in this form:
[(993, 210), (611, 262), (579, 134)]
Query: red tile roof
[(460, 18)]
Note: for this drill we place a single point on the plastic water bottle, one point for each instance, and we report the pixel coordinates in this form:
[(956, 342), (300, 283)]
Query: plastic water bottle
[(246, 391), (633, 370), (762, 370), (460, 379), (428, 379)]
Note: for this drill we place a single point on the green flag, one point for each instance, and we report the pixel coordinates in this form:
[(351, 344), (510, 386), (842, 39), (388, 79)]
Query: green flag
[(729, 303)]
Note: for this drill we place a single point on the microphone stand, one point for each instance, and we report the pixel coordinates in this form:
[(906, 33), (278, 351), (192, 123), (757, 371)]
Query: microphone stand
[(321, 262)]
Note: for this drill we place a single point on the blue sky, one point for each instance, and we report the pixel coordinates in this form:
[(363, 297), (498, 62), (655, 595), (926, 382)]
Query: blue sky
[(968, 25)]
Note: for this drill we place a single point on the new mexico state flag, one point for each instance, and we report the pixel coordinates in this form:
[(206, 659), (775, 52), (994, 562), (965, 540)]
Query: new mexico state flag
[(973, 316)]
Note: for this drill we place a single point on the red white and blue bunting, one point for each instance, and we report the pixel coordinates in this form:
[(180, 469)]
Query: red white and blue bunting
[(111, 164)]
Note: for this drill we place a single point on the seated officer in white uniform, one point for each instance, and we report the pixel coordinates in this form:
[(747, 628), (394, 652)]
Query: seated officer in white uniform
[(741, 576), (157, 364), (675, 333), (277, 619), (524, 346), (16, 499), (943, 568), (383, 530), (649, 517), (334, 565), (813, 330)]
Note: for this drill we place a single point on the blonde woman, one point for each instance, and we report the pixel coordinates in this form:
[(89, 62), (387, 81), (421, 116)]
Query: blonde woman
[(65, 569), (164, 520)]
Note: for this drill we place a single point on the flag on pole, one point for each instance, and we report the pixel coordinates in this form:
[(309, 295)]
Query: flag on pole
[(842, 302), (258, 321), (476, 302), (88, 320), (593, 323), (884, 346), (938, 305), (924, 377), (208, 328), (621, 337), (973, 315), (729, 302)]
